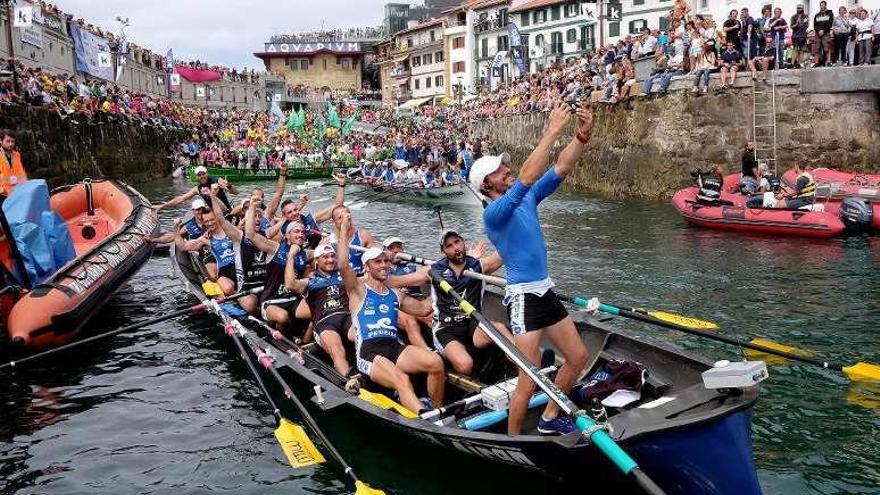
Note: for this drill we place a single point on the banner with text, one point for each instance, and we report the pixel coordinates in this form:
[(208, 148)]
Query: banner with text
[(516, 48), (91, 53)]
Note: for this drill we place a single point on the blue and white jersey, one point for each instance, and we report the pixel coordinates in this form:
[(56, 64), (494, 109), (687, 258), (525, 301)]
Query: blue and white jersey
[(377, 316), (193, 231), (401, 269), (223, 250), (300, 260), (513, 227), (378, 171), (389, 175), (449, 177), (429, 179)]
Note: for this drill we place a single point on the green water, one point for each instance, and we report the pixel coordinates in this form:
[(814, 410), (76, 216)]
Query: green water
[(168, 410)]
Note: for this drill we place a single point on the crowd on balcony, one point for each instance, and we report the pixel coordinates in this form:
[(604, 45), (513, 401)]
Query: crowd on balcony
[(341, 34)]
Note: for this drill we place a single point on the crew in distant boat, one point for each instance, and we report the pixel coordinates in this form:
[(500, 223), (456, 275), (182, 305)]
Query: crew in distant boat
[(374, 308), (203, 188), (328, 304), (12, 170)]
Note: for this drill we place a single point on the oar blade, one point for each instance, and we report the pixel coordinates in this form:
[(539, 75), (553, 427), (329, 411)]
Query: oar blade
[(297, 446), (212, 289), (685, 321), (863, 372), (362, 488), (776, 346), (383, 402)]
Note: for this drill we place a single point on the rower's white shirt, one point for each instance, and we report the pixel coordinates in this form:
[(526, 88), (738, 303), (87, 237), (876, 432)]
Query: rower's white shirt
[(411, 175)]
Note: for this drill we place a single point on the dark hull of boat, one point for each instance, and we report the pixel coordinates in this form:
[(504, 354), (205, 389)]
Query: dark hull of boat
[(248, 175), (697, 443)]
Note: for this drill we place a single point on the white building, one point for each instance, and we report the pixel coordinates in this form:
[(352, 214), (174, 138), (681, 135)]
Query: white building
[(427, 69), (554, 30), (458, 39), (488, 20)]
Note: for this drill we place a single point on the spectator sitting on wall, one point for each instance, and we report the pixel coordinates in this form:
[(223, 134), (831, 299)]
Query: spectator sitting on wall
[(703, 67), (764, 60), (675, 67), (649, 43), (730, 61), (799, 24)]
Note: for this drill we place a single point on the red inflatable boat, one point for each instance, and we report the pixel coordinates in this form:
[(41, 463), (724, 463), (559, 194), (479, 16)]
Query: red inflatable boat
[(103, 224), (740, 218)]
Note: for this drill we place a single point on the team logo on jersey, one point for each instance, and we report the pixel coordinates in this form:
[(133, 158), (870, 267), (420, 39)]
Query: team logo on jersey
[(381, 324), (383, 308)]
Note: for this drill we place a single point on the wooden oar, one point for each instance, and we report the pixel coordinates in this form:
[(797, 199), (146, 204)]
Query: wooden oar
[(298, 448), (595, 432), (174, 314), (268, 362)]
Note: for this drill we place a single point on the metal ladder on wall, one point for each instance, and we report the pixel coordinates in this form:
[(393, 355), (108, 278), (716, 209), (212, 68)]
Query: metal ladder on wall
[(764, 121)]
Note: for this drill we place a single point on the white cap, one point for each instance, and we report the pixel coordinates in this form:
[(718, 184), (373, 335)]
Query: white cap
[(371, 254), (199, 203), (291, 226), (446, 233), (391, 240), (485, 166), (323, 249), (201, 170)]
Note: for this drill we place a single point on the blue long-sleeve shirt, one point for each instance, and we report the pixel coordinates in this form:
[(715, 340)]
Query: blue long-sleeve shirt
[(513, 227)]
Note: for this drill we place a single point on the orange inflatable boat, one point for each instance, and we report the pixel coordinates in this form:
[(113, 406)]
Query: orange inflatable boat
[(106, 221)]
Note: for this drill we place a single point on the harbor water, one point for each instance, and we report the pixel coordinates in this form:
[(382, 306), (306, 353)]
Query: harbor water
[(169, 409)]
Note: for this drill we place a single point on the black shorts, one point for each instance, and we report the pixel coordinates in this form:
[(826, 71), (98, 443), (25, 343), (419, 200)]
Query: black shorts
[(338, 323), (528, 312), (288, 304), (798, 203), (390, 349), (458, 331), (228, 271)]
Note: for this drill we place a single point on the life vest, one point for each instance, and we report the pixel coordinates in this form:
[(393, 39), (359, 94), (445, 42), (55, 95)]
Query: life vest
[(11, 174), (809, 190), (710, 191)]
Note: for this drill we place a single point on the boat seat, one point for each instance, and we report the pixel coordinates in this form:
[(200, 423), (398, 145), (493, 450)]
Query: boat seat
[(88, 229)]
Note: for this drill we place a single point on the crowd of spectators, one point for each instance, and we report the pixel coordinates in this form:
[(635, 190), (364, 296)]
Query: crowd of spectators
[(341, 34)]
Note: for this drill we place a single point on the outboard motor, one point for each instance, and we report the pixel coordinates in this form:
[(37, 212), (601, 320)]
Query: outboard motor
[(857, 214)]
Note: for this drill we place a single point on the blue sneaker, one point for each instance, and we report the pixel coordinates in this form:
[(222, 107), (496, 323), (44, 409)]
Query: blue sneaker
[(560, 425)]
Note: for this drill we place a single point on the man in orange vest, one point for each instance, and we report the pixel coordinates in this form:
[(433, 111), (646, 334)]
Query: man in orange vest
[(11, 170)]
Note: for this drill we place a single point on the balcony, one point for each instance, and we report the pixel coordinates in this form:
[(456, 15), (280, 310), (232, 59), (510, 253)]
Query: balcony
[(403, 96), (400, 72), (494, 24)]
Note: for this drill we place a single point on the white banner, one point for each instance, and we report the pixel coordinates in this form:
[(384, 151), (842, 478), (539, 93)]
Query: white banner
[(200, 91), (32, 35), (175, 79), (23, 17)]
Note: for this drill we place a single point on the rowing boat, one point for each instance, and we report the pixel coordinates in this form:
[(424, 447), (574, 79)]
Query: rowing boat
[(689, 439), (452, 195), (260, 174)]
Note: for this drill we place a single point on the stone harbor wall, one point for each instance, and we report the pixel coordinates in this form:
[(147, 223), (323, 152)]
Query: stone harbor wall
[(645, 148), (61, 151)]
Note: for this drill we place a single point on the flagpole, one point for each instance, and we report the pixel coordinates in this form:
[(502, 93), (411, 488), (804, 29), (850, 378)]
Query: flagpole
[(7, 4)]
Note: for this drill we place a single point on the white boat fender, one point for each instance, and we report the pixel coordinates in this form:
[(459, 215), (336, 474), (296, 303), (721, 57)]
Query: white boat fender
[(319, 395), (740, 374)]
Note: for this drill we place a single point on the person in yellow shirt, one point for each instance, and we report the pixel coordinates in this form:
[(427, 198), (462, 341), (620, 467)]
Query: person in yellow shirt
[(11, 169)]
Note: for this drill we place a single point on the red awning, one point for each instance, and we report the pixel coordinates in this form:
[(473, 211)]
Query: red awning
[(198, 75)]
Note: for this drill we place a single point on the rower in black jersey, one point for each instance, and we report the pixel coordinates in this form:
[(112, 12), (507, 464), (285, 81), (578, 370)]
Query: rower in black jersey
[(456, 336), (277, 304), (292, 211), (328, 304)]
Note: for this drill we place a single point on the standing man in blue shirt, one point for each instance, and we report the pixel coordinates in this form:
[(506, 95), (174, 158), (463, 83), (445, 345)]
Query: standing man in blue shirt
[(512, 224)]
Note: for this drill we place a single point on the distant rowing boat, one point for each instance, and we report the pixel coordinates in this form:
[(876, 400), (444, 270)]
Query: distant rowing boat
[(250, 174), (448, 195)]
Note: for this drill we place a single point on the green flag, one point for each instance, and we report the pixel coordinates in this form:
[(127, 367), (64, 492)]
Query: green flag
[(320, 129), (333, 117), (349, 123), (291, 121)]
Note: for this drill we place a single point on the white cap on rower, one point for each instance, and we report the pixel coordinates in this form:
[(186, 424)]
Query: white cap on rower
[(485, 166), (371, 254), (199, 203), (291, 226), (201, 170), (446, 233), (323, 249), (391, 240)]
